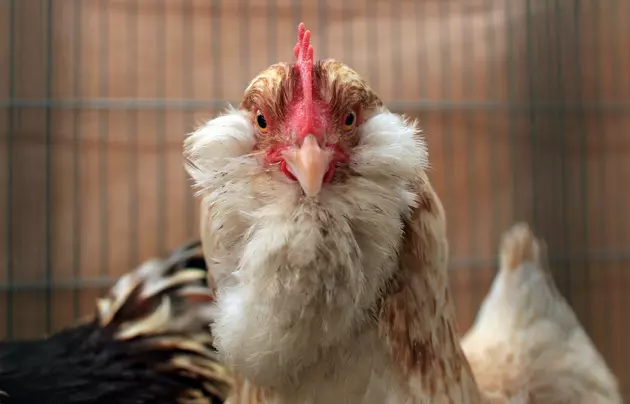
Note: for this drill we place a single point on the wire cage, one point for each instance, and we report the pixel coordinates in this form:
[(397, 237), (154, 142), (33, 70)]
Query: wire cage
[(525, 105)]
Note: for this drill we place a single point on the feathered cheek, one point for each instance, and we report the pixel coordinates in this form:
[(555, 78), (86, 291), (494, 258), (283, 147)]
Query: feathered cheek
[(219, 155), (227, 136)]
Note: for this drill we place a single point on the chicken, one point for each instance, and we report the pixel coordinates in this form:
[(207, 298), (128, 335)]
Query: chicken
[(526, 337), (149, 342), (327, 243)]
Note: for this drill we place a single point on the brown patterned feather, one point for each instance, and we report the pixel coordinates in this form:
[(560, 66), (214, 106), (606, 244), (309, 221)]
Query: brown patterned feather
[(417, 317)]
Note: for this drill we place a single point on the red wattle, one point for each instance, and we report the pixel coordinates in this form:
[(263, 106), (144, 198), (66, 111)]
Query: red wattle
[(329, 174)]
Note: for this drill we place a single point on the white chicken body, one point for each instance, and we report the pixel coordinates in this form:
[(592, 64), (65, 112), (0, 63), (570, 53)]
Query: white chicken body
[(302, 272), (527, 338)]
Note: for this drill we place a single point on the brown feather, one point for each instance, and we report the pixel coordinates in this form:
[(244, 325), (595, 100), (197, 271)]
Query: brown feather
[(343, 89), (417, 316)]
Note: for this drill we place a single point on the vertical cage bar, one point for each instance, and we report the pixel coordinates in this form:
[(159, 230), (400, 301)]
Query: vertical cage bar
[(161, 34), (545, 138), (372, 44), (76, 154), (272, 34), (103, 118), (583, 152), (423, 61), (490, 39), (189, 90), (618, 12), (49, 156), (397, 70), (132, 133), (245, 7), (347, 37), (620, 269), (471, 125), (217, 88), (599, 186), (446, 115), (562, 146), (511, 96), (9, 207), (297, 12), (322, 14), (616, 196), (620, 184), (597, 16), (532, 113)]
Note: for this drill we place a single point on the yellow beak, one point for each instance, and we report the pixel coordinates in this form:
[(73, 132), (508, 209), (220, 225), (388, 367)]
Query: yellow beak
[(308, 164)]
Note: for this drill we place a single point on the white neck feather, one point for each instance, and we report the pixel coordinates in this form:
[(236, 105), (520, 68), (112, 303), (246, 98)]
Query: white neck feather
[(299, 278)]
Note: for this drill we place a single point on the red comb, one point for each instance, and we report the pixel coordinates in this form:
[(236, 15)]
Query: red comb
[(303, 51)]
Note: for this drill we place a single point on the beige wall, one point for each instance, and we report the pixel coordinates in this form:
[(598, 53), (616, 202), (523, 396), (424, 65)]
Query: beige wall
[(454, 64)]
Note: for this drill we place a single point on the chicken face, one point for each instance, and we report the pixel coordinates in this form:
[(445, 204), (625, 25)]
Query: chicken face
[(306, 116), (305, 190)]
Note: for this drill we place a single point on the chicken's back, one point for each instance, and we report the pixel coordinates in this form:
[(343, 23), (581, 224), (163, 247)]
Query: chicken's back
[(526, 337), (149, 342)]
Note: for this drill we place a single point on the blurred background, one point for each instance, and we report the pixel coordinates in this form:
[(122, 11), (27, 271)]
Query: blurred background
[(525, 105)]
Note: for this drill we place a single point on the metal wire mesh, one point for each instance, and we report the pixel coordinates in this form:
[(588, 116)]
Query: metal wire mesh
[(526, 106)]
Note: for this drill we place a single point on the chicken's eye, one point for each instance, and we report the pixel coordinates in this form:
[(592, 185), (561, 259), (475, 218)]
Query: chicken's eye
[(261, 122), (349, 121)]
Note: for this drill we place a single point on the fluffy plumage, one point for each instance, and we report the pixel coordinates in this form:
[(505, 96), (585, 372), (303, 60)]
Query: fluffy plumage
[(149, 342), (338, 295), (526, 337)]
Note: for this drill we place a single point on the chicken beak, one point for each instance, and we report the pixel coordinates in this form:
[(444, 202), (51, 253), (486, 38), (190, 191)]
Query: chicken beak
[(308, 164)]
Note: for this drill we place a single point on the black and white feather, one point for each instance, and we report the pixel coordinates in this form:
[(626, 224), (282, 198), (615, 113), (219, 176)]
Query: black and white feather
[(149, 342)]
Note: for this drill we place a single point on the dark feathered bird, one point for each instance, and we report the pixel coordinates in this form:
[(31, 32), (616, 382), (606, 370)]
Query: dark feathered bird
[(149, 342)]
